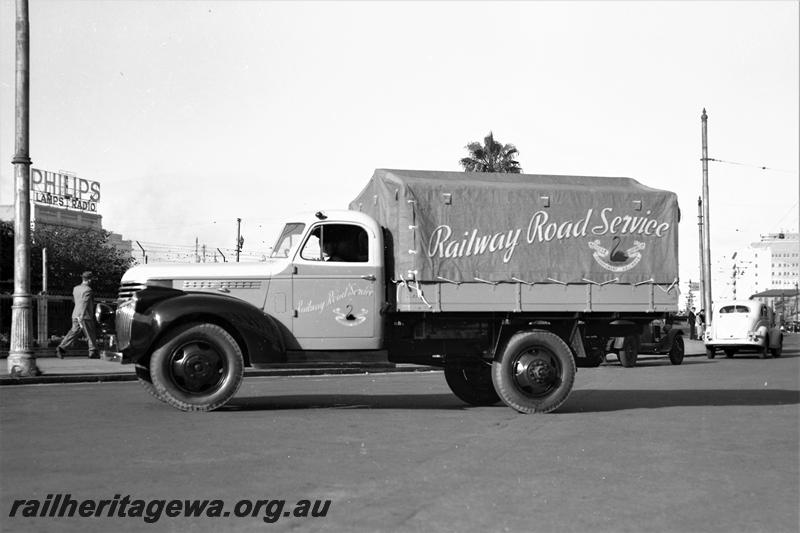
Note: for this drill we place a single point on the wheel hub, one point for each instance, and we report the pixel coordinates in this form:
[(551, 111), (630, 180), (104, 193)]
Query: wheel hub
[(535, 372), (541, 372), (196, 367)]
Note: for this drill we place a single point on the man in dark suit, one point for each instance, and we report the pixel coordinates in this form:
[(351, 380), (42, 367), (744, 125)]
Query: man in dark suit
[(82, 318)]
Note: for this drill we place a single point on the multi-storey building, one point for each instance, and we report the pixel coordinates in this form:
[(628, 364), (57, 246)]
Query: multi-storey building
[(773, 263)]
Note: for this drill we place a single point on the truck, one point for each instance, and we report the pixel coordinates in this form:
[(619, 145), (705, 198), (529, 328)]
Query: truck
[(507, 282), (661, 336)]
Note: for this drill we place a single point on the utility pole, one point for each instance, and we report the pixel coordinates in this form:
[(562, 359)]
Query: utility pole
[(238, 238), (21, 361), (703, 273), (706, 224)]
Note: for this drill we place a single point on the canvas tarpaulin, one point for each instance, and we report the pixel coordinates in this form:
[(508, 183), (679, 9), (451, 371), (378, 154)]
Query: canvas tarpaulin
[(464, 226)]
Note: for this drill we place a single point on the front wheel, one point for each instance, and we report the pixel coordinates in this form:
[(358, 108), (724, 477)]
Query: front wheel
[(676, 351), (143, 374), (471, 382), (199, 367), (535, 372)]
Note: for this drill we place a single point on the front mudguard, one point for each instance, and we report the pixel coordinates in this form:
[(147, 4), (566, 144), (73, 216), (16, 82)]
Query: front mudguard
[(258, 335)]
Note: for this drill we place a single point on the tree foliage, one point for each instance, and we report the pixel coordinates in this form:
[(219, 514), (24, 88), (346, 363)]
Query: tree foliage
[(70, 251), (491, 156)]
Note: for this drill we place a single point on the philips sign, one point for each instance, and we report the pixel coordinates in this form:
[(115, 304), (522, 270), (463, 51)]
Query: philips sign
[(62, 190)]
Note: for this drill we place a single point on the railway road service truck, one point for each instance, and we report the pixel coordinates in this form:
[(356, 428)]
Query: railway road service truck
[(507, 282)]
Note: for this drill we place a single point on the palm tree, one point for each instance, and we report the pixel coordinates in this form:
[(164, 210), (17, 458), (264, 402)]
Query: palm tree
[(491, 157)]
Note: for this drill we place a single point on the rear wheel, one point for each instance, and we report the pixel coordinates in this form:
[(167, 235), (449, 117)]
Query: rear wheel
[(710, 352), (594, 358), (535, 372), (629, 352), (676, 351), (764, 351), (730, 352), (471, 382), (198, 367)]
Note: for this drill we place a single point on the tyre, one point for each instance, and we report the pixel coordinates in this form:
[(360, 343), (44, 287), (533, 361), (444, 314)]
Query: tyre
[(676, 351), (143, 374), (594, 358), (710, 352), (198, 367), (629, 351), (535, 372), (777, 352), (471, 382), (764, 351), (730, 352)]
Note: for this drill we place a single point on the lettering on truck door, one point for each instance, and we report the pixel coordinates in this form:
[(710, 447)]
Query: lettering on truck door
[(335, 290)]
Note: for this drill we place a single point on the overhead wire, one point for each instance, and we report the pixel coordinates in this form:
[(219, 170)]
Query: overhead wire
[(760, 167)]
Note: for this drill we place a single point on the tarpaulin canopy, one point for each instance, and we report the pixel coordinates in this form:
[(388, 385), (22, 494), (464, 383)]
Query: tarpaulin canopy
[(465, 227)]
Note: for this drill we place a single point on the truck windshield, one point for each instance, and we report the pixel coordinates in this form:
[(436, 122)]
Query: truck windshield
[(289, 236)]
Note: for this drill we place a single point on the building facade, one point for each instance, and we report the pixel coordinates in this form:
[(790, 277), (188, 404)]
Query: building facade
[(773, 263)]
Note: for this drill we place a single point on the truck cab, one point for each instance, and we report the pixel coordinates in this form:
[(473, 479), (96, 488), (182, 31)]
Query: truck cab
[(331, 292)]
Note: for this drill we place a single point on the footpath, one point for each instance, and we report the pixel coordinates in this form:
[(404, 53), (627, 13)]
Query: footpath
[(77, 368)]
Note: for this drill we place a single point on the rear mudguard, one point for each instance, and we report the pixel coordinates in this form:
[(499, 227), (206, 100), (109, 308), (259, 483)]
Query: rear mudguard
[(259, 335)]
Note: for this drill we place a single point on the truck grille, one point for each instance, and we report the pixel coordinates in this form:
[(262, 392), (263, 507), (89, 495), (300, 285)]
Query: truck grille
[(127, 290), (124, 324)]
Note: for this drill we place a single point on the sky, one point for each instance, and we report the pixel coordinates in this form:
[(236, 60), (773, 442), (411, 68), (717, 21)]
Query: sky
[(192, 114)]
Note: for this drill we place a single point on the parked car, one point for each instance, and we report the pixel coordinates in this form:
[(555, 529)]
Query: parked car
[(743, 325), (662, 336)]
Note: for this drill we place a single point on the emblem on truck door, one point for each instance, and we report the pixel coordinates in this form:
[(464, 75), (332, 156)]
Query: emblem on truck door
[(348, 318), (617, 260)]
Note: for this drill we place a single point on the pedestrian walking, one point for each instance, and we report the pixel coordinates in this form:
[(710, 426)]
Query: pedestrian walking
[(701, 323), (82, 318), (691, 320)]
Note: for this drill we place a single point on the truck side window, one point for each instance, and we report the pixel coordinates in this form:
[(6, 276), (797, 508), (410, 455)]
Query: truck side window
[(340, 243)]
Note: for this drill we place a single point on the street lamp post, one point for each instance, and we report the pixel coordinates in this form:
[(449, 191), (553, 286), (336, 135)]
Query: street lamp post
[(21, 361)]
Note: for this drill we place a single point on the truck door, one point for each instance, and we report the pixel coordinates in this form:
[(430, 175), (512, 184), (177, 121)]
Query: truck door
[(336, 288)]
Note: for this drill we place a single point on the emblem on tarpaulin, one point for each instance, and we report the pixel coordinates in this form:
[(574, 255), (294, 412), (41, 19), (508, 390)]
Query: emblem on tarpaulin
[(615, 259)]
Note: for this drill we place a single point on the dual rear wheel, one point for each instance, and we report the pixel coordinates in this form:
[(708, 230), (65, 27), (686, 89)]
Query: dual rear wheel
[(533, 374)]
